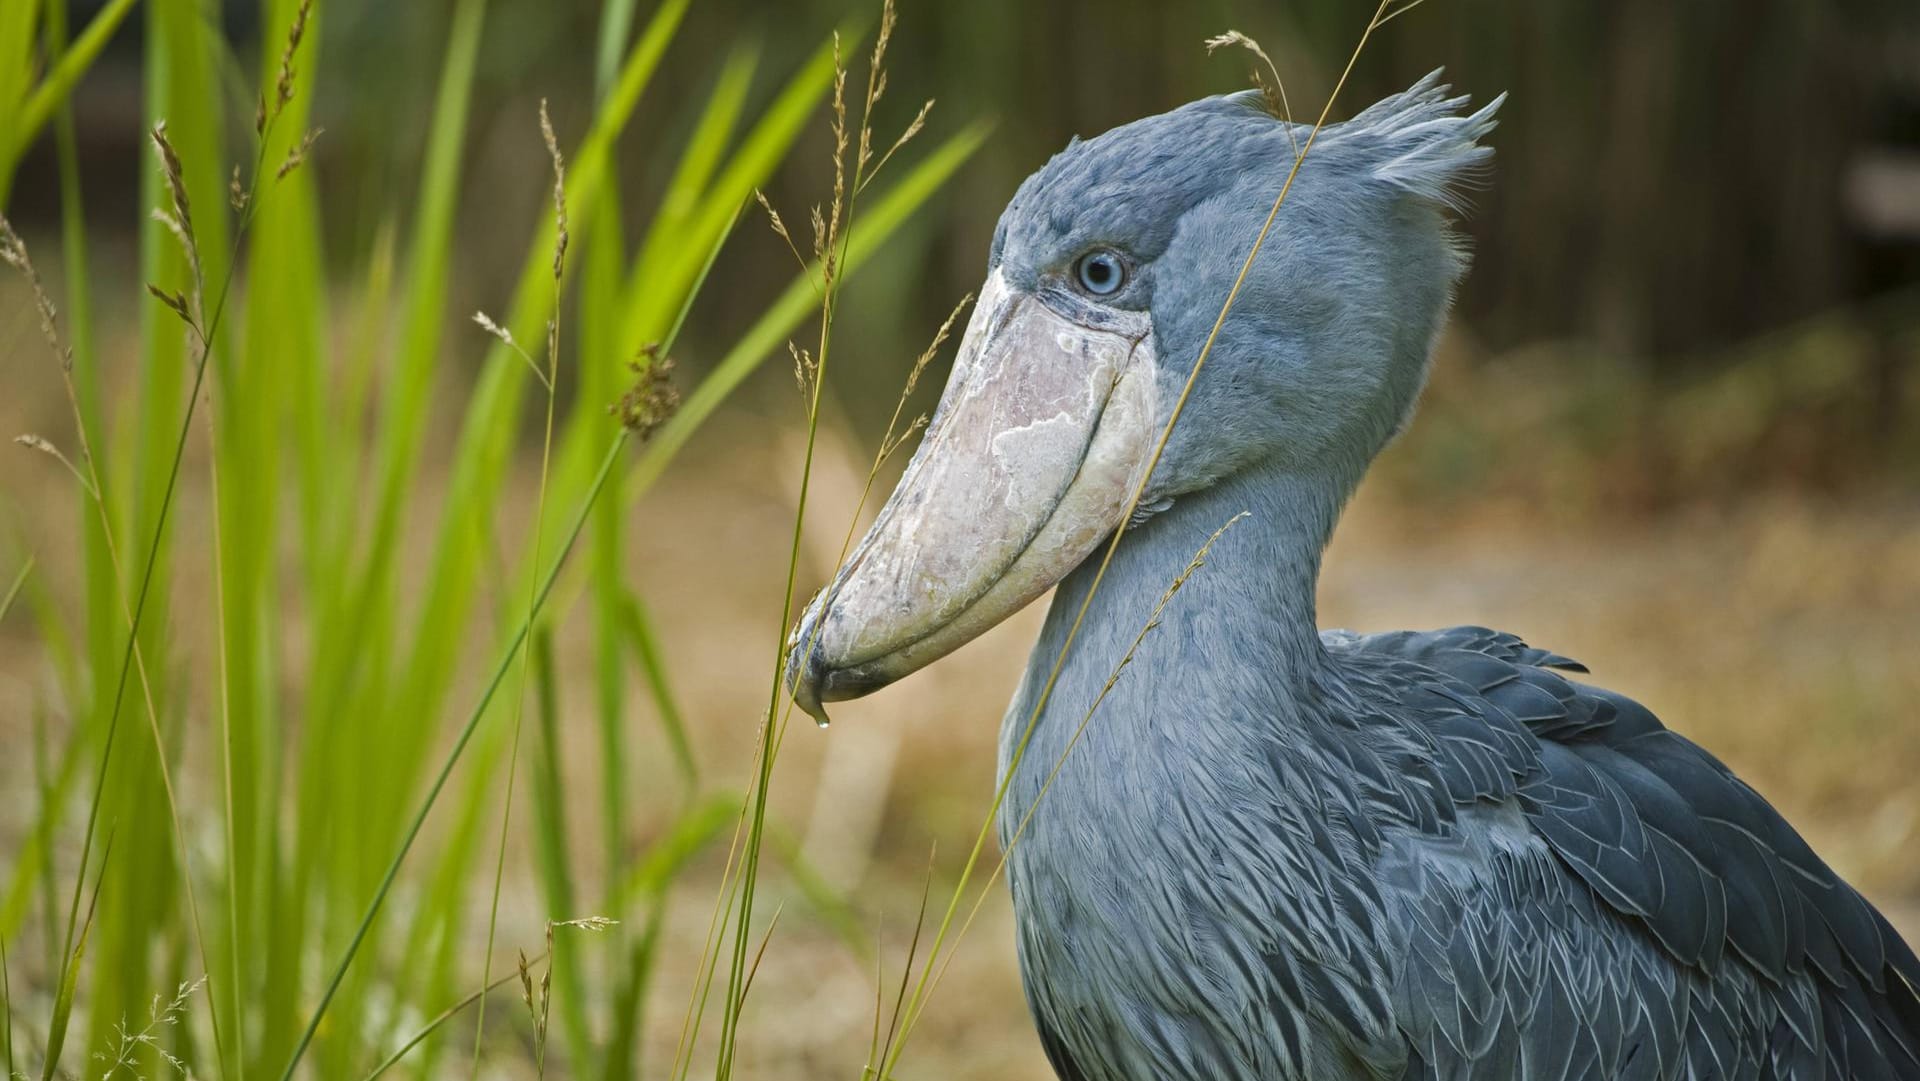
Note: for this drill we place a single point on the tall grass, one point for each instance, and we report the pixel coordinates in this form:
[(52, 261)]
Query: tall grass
[(264, 824)]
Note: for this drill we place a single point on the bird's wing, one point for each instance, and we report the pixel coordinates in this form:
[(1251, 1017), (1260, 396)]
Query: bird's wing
[(1058, 1057), (1665, 841)]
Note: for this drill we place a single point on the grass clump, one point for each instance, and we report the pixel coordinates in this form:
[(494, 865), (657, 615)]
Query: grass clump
[(310, 737)]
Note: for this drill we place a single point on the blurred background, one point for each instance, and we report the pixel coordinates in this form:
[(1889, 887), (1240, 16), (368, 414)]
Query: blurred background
[(1674, 432)]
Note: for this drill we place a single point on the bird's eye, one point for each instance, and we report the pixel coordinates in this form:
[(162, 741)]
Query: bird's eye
[(1101, 272)]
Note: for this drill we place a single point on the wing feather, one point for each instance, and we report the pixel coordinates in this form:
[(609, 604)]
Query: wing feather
[(1695, 908)]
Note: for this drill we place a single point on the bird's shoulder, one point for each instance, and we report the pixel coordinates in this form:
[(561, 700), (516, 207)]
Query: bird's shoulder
[(1661, 833)]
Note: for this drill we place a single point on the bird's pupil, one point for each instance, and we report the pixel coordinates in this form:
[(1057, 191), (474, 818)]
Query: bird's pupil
[(1100, 272)]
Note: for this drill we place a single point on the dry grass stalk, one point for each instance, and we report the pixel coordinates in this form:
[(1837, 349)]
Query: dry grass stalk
[(175, 302), (897, 440), (1396, 13), (539, 1003), (779, 227), (804, 369), (560, 236), (505, 336), (1273, 90), (13, 252), (939, 339), (761, 953), (892, 441), (830, 246), (912, 129), (878, 1052), (190, 306), (876, 78), (297, 156), (538, 998), (549, 377), (829, 237), (283, 86), (45, 446), (876, 89)]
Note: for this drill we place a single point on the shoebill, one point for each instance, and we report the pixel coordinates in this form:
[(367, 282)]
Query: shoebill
[(1278, 852)]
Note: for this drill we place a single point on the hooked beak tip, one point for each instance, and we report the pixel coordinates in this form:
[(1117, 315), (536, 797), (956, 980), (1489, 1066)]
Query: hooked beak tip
[(805, 672), (813, 681)]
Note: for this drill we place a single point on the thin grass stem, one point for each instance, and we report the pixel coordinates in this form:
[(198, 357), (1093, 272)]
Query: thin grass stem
[(442, 1018), (549, 378)]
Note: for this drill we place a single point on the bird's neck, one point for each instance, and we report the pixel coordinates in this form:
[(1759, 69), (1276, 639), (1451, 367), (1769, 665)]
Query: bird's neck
[(1238, 638)]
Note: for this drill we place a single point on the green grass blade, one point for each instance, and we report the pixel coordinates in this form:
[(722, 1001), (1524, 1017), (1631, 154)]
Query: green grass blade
[(442, 1018), (453, 758), (16, 75), (59, 82), (879, 219), (616, 22), (630, 1000), (670, 257), (484, 446), (690, 833), (409, 390), (6, 1006), (827, 903), (132, 788), (603, 259), (638, 627), (555, 866), (13, 591), (70, 975)]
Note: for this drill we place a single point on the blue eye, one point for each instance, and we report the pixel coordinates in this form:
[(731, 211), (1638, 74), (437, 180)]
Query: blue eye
[(1101, 272)]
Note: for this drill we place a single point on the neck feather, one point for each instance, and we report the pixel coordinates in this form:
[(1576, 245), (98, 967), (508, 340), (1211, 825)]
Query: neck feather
[(1239, 637)]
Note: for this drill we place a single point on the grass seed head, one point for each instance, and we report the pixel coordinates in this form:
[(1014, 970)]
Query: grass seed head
[(560, 235), (13, 252), (804, 368), (486, 323), (1273, 91), (45, 446), (283, 87), (295, 157), (171, 170), (933, 348), (176, 302), (653, 399)]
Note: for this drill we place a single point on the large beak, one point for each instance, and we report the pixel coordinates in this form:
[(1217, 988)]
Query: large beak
[(1040, 439)]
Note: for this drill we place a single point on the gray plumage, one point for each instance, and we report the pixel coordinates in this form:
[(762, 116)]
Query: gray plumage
[(1283, 854)]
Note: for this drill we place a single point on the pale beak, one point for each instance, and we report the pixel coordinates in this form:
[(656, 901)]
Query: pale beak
[(1041, 437)]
